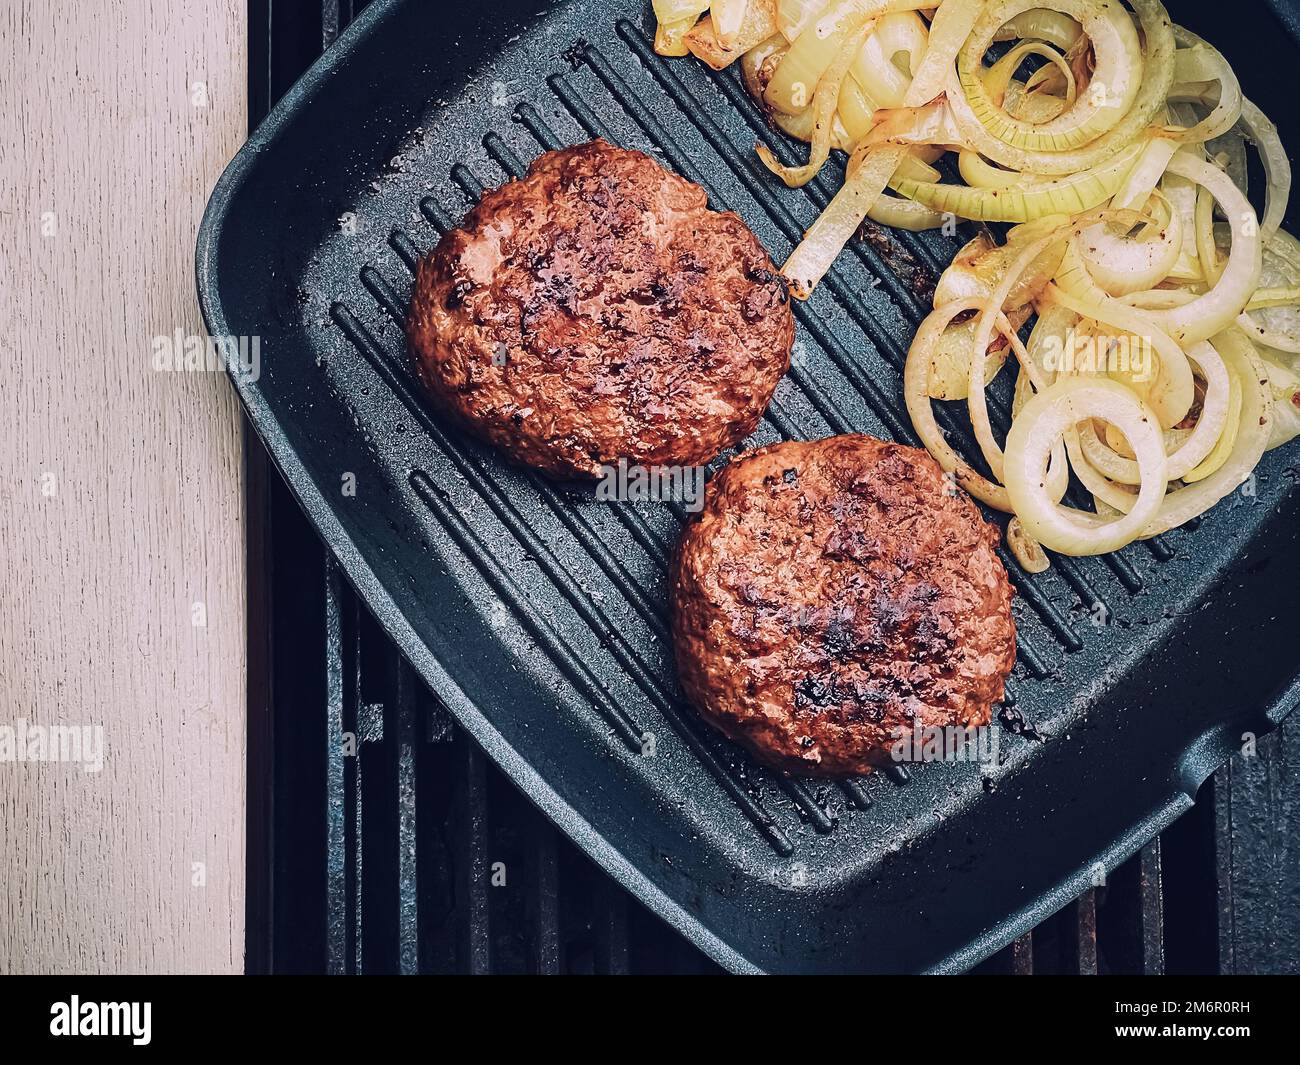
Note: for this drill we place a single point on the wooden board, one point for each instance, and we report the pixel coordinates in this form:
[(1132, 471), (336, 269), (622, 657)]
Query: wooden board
[(121, 534)]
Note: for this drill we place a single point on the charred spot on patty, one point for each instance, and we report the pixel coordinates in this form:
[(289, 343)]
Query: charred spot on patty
[(456, 294)]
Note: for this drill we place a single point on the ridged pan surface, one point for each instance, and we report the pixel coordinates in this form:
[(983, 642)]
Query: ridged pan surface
[(538, 615)]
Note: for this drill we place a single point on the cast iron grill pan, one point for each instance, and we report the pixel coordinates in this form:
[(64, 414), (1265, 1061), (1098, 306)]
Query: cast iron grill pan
[(537, 615)]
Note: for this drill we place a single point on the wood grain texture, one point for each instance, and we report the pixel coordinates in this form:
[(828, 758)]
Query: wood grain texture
[(122, 506)]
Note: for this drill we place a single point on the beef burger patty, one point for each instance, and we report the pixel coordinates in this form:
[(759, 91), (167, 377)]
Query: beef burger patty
[(836, 592), (595, 310)]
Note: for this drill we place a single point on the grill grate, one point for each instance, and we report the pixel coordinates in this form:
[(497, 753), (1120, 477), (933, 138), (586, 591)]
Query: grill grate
[(461, 873), (417, 823)]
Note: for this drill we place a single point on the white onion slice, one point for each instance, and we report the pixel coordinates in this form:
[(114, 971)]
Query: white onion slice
[(1277, 327), (1195, 447), (1042, 425), (1183, 504), (1277, 166), (1172, 392), (1213, 312), (1121, 264), (916, 385)]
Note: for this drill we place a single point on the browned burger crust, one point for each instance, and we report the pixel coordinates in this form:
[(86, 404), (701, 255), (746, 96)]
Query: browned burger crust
[(831, 593), (597, 309)]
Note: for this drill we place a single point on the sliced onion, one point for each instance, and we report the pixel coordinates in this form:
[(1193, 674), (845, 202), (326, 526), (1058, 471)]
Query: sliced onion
[(1222, 449), (1042, 425), (1121, 263), (1204, 64), (1172, 391), (1118, 76), (981, 265), (916, 386), (810, 55), (1269, 298), (836, 225), (1218, 308), (728, 17), (1277, 327), (1195, 447), (856, 110), (1050, 333), (676, 10), (874, 68), (1285, 384), (1146, 174), (1256, 426), (1213, 312), (952, 24), (670, 37), (1027, 551), (998, 76), (759, 25), (931, 124), (1040, 24), (1150, 99), (1182, 196), (757, 65), (990, 314), (803, 126), (898, 213), (1277, 166), (1034, 107), (950, 365), (825, 102), (1069, 195), (1183, 504), (792, 16), (814, 49), (979, 174), (1207, 251)]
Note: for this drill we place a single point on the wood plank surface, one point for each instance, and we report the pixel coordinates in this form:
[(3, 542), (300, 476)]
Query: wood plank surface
[(121, 531)]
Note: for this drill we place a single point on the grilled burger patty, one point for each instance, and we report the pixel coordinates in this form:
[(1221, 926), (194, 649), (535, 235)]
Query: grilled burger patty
[(832, 595), (596, 309)]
